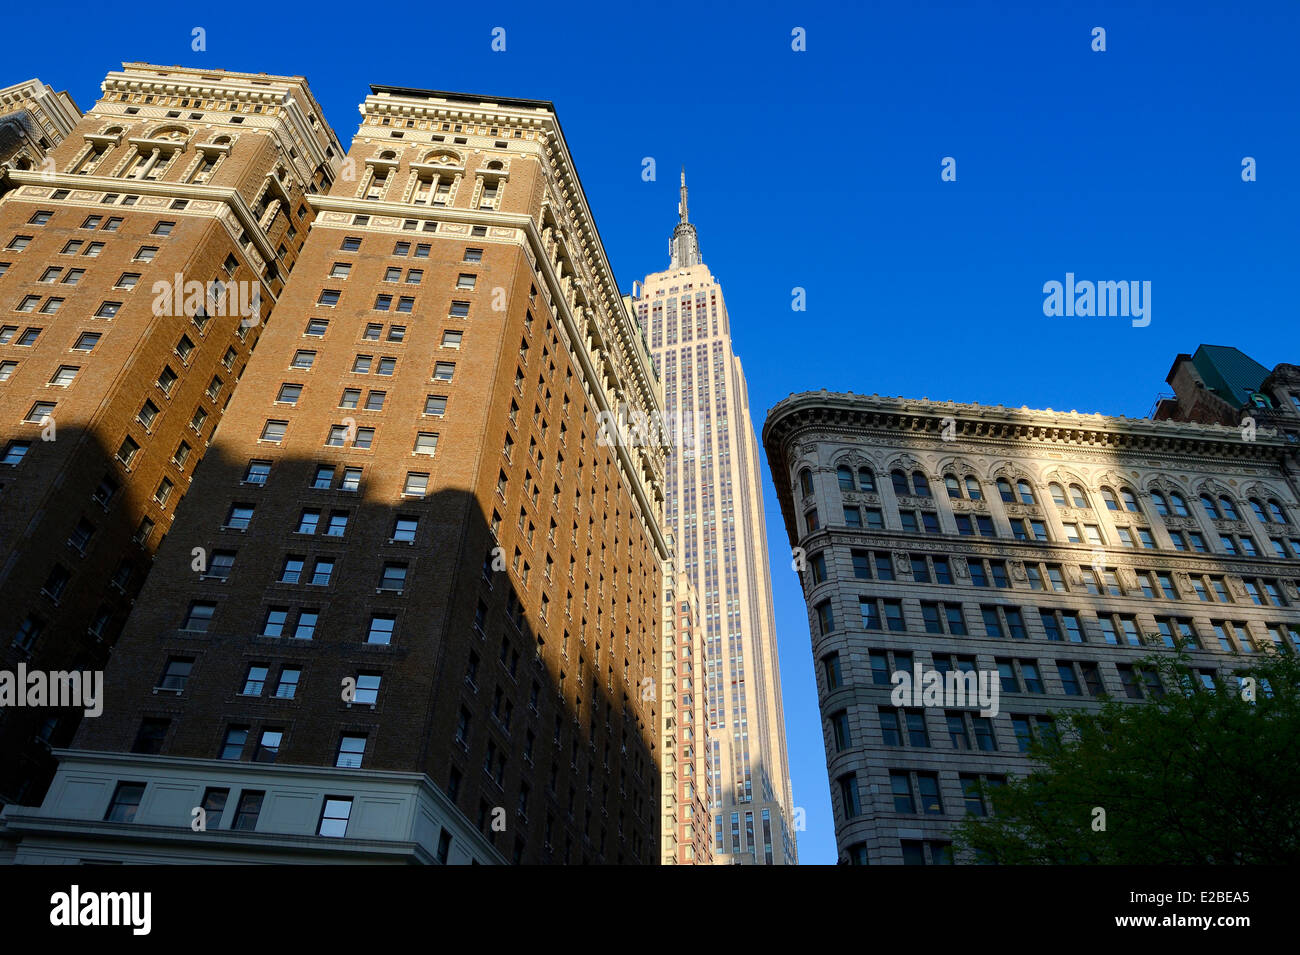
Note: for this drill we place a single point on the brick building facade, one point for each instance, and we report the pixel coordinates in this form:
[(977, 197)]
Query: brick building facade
[(412, 557), (110, 391)]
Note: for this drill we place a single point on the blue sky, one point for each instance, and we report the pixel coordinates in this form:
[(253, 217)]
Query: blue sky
[(821, 170)]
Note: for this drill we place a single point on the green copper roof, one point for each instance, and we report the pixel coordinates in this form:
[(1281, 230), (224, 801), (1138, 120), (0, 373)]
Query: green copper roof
[(1229, 373)]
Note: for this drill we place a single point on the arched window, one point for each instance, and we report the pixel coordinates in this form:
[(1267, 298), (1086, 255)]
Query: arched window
[(950, 482), (973, 489), (866, 479), (805, 481), (1229, 509), (1180, 505), (900, 482), (1130, 500), (921, 484), (1258, 508), (1207, 502), (1080, 498), (1112, 502), (1026, 492), (1058, 495), (1280, 514), (845, 476), (1158, 499), (1005, 492)]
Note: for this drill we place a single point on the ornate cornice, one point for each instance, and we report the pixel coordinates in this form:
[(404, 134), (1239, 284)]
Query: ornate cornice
[(895, 425), (561, 176), (252, 88), (232, 198), (999, 425)]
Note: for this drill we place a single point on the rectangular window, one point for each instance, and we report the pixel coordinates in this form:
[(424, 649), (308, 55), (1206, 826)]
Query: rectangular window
[(334, 817), (247, 811), (233, 745), (305, 629), (274, 625), (14, 452), (367, 688), (350, 752), (176, 674), (125, 802), (381, 629), (268, 746), (393, 577), (255, 680)]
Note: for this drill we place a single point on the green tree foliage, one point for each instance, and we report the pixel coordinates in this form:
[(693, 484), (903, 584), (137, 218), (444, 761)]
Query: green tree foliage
[(1192, 777)]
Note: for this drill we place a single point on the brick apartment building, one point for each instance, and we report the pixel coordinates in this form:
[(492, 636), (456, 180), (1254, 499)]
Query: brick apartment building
[(109, 395), (412, 612)]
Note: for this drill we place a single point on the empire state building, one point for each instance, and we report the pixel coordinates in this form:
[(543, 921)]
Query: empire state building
[(714, 507)]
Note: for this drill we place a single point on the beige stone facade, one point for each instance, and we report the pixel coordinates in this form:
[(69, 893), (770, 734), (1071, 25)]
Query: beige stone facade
[(687, 831), (33, 120), (714, 509), (1049, 550)]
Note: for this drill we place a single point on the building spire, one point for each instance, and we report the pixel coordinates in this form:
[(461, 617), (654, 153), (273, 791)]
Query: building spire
[(684, 249)]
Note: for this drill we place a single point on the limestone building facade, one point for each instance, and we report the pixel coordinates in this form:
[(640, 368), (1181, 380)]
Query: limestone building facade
[(1048, 550), (715, 514), (33, 120), (687, 826)]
